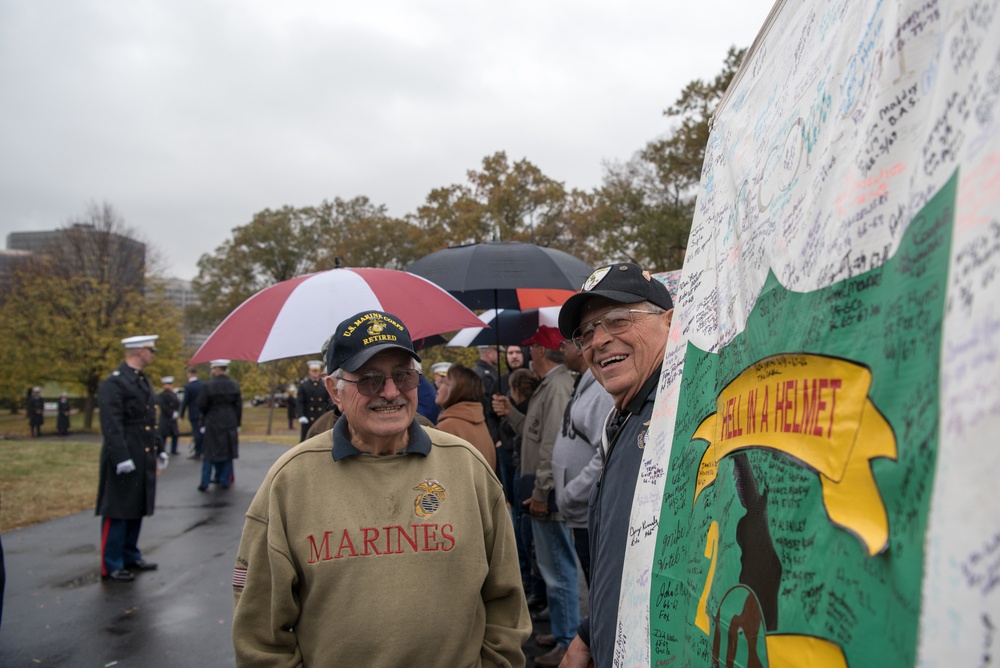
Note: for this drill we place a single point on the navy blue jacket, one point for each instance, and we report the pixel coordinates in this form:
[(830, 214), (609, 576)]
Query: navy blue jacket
[(608, 521)]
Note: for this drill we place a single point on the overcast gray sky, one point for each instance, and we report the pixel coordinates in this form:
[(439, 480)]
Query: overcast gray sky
[(190, 116)]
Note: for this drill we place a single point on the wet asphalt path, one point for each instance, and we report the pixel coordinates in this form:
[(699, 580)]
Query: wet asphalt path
[(58, 612)]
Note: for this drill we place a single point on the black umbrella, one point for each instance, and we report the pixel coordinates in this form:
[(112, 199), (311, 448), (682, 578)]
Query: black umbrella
[(512, 327), (504, 274)]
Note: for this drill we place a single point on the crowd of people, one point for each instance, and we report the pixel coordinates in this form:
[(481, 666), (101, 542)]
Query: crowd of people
[(492, 498)]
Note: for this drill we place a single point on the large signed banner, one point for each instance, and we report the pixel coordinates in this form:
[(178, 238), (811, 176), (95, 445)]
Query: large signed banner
[(822, 482)]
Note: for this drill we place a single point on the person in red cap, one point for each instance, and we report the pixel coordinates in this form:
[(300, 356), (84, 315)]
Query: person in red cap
[(539, 428)]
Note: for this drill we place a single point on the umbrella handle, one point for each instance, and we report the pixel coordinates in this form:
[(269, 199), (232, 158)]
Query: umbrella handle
[(496, 299)]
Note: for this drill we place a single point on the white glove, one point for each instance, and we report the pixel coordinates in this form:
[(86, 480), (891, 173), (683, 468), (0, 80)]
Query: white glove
[(126, 466), (303, 420), (202, 430), (175, 415), (162, 462)]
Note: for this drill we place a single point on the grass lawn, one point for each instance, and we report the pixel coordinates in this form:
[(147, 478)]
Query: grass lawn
[(42, 479), (52, 476)]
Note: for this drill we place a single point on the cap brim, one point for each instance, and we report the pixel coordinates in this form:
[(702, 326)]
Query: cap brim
[(569, 314), (354, 363)]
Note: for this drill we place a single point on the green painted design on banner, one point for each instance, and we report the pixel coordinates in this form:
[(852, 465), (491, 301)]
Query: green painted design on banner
[(801, 471)]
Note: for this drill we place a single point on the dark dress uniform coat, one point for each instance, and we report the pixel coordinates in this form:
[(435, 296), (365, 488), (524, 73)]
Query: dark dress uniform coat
[(169, 403), (128, 424), (36, 411), (221, 407), (313, 401), (190, 404), (62, 417)]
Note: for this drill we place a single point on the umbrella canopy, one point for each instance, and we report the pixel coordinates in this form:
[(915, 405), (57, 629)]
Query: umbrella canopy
[(295, 317), (510, 327), (504, 274), (506, 327)]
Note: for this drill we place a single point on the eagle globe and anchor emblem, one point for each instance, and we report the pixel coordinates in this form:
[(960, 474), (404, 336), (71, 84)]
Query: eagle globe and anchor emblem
[(376, 327), (430, 497)]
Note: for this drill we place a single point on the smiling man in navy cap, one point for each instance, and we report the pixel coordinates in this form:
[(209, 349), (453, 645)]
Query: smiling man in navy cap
[(380, 542), (127, 488), (619, 320)]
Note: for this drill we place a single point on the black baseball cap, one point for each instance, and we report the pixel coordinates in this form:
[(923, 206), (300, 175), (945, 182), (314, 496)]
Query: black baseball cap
[(364, 335), (624, 282)]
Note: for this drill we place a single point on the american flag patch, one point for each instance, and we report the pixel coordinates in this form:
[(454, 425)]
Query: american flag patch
[(239, 577)]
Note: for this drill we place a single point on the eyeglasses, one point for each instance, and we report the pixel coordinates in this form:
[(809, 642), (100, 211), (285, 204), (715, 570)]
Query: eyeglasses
[(372, 384), (616, 321)]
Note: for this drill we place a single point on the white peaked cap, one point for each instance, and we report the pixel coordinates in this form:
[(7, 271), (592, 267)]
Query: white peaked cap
[(144, 341), (167, 380), (219, 363)]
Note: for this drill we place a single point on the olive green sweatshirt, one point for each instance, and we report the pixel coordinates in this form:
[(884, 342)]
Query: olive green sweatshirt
[(348, 559)]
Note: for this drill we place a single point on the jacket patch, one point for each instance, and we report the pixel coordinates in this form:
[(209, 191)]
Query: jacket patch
[(239, 577), (534, 427), (643, 437), (375, 541), (430, 498)]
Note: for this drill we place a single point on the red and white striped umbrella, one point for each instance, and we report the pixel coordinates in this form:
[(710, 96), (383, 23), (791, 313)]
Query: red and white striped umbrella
[(295, 317)]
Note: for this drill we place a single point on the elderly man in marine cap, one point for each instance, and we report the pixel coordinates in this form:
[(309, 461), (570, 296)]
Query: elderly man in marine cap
[(312, 399), (221, 406), (129, 460), (381, 543), (619, 320)]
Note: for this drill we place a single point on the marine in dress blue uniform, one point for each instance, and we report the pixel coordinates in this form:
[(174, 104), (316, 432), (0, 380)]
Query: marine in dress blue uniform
[(312, 400), (129, 454)]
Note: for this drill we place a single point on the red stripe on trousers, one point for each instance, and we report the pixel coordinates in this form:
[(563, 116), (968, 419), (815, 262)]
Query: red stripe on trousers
[(104, 540)]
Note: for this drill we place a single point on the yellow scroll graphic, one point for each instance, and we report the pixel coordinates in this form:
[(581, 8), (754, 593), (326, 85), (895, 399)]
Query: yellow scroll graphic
[(795, 650), (816, 410)]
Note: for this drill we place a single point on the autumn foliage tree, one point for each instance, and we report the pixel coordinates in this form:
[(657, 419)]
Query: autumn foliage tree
[(67, 309), (645, 206)]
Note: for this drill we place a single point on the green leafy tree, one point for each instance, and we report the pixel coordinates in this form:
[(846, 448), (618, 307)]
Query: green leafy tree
[(501, 202), (271, 248), (450, 216), (518, 199), (357, 233), (645, 206), (271, 378)]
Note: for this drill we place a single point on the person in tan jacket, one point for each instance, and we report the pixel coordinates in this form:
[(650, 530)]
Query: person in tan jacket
[(460, 397)]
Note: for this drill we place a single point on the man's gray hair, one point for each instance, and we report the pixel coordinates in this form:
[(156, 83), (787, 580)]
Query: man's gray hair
[(556, 356), (659, 310)]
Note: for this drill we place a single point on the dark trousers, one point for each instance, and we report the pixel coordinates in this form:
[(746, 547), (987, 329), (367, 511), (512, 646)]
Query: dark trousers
[(507, 474), (119, 544), (223, 472), (197, 436), (581, 543)]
